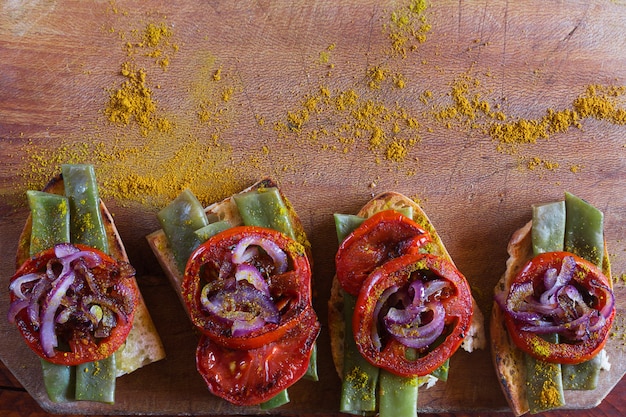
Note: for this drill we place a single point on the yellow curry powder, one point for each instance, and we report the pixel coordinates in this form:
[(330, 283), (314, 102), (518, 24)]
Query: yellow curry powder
[(185, 149)]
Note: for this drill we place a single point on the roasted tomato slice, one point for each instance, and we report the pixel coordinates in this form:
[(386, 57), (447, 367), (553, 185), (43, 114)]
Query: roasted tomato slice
[(250, 377), (247, 286), (412, 314), (560, 293), (73, 304), (383, 236)]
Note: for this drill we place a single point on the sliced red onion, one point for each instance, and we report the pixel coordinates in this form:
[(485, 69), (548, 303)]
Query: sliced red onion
[(403, 310), (16, 286), (49, 307), (554, 283), (248, 273), (377, 309), (434, 288), (406, 325), (48, 302), (15, 307), (560, 308), (240, 254), (245, 308)]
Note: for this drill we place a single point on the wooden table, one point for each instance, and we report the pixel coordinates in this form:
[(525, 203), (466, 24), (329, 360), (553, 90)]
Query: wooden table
[(337, 101), (15, 402)]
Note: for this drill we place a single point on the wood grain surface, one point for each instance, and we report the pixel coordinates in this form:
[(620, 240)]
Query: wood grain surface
[(297, 91)]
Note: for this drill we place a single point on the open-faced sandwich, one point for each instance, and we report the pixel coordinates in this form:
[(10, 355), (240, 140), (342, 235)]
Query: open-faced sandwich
[(74, 297), (242, 267), (553, 307), (399, 308)]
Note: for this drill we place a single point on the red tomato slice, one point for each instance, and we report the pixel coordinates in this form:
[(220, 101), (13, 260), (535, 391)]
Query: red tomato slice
[(212, 264), (383, 236), (393, 355), (250, 377), (116, 279), (587, 277)]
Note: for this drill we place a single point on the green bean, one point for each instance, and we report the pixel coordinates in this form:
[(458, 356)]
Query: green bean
[(265, 208), (345, 224), (441, 373), (584, 227), (360, 378), (179, 220), (59, 381), (548, 230), (584, 231), (50, 216), (398, 395), (205, 233), (542, 378), (95, 381), (582, 376), (276, 401), (81, 188), (50, 225), (544, 384)]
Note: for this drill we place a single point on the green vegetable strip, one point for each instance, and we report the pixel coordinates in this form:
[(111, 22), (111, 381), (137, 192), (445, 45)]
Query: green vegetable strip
[(205, 233), (311, 371), (544, 386), (50, 225), (345, 224), (81, 188), (179, 220), (441, 373), (265, 208), (360, 378), (276, 401), (583, 376), (59, 380), (50, 214), (584, 230), (398, 395), (94, 381), (548, 231)]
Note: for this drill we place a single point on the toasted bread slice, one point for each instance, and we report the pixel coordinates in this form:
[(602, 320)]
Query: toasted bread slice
[(475, 338), (223, 210), (143, 344), (508, 360)]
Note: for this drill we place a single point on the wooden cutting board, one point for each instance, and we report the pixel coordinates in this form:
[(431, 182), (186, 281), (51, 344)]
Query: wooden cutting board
[(337, 101)]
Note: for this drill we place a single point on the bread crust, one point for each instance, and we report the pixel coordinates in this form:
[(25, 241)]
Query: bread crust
[(129, 358), (508, 360), (394, 201)]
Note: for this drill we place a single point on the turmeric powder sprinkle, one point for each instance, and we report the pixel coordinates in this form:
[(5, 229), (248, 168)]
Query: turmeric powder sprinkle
[(154, 149)]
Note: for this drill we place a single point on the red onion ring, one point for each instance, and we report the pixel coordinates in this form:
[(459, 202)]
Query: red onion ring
[(245, 308), (248, 273), (279, 257), (403, 313), (407, 327)]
